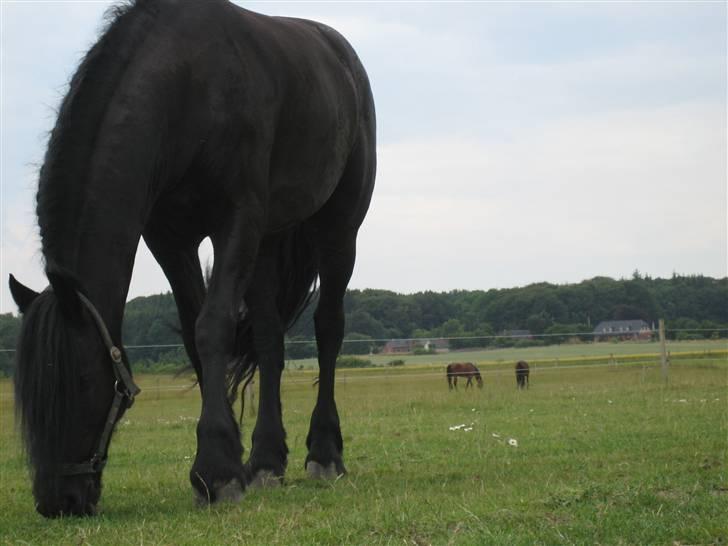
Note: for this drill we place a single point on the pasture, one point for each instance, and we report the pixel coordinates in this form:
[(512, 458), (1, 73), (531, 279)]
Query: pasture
[(604, 454)]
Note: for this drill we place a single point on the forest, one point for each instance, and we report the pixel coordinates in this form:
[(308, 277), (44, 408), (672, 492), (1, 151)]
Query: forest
[(694, 307)]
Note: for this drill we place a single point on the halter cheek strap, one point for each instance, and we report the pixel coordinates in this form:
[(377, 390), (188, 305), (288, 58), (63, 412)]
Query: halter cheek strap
[(124, 390)]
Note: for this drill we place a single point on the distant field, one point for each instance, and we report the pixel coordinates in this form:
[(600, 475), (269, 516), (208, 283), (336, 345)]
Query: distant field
[(605, 454), (563, 352)]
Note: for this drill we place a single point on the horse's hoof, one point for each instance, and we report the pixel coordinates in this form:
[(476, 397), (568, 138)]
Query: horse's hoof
[(318, 471), (231, 491), (265, 479)]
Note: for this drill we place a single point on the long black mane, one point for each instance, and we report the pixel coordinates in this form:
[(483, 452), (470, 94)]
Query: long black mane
[(46, 379), (61, 191)]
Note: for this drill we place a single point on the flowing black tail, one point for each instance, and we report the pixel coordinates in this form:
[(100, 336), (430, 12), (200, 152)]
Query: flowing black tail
[(297, 273)]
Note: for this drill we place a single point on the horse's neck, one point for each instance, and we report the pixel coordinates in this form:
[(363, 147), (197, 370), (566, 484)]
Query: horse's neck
[(98, 248), (93, 230), (104, 272)]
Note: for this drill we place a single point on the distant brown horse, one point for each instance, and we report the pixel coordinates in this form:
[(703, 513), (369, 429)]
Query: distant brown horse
[(522, 374), (463, 369)]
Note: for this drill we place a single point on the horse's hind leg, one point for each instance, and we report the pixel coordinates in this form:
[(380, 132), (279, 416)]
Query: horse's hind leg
[(268, 456), (336, 263), (335, 229)]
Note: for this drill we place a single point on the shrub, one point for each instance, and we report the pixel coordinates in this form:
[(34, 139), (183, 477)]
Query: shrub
[(352, 362), (398, 362)]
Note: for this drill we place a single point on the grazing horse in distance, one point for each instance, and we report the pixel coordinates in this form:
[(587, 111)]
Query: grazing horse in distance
[(466, 370), (522, 374), (189, 120)]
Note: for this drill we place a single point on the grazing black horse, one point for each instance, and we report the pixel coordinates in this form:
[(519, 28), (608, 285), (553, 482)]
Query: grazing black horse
[(188, 120), (522, 372), (467, 370)]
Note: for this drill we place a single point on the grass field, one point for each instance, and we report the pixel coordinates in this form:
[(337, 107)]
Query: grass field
[(605, 454)]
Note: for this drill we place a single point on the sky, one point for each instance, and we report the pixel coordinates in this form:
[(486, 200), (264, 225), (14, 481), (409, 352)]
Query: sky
[(517, 142)]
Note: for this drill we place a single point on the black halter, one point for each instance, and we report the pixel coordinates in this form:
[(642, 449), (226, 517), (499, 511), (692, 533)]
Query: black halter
[(124, 390)]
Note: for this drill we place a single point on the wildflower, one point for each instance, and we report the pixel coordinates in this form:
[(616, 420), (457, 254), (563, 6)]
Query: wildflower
[(512, 442)]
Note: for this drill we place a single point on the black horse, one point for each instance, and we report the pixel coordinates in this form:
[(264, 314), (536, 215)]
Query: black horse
[(188, 120), (522, 372), (466, 370)]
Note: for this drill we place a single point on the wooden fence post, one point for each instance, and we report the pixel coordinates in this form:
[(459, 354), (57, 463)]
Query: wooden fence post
[(663, 351)]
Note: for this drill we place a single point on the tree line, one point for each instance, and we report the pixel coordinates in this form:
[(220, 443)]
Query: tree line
[(695, 303)]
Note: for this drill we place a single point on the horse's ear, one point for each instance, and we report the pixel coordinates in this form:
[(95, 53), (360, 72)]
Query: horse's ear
[(22, 295), (67, 294)]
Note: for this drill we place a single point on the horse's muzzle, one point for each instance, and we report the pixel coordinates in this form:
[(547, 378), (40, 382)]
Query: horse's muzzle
[(78, 498)]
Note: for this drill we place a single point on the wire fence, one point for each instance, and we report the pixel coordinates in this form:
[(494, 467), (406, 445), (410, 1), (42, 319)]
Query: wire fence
[(648, 332)]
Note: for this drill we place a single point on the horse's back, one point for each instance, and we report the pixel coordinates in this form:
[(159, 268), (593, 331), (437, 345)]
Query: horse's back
[(285, 99)]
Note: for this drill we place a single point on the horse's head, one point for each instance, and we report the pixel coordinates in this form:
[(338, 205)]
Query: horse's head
[(479, 380), (64, 387)]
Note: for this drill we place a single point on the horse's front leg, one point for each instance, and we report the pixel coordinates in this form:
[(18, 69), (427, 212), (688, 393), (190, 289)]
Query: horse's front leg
[(217, 473), (181, 266)]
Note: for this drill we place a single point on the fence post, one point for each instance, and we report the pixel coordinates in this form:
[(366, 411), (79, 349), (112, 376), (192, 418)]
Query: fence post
[(663, 351)]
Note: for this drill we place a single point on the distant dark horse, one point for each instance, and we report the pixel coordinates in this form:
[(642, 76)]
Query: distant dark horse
[(465, 370), (187, 120), (522, 374)]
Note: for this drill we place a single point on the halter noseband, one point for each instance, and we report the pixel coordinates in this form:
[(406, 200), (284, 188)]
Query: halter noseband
[(124, 389)]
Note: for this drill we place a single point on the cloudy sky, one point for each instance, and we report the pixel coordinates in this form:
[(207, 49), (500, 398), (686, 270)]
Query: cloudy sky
[(517, 142)]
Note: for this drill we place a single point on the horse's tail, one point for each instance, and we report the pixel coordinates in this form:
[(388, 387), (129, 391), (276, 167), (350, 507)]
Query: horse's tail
[(297, 272)]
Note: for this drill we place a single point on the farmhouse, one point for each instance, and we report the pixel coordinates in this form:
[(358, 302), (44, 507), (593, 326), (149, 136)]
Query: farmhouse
[(398, 346), (401, 346), (622, 329)]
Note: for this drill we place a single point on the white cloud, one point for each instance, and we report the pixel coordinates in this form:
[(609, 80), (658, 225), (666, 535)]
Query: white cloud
[(599, 195)]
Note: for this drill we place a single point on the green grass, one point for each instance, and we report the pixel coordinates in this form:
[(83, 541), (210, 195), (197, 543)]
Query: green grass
[(606, 454)]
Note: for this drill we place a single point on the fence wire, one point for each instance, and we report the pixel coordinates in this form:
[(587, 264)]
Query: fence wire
[(450, 338)]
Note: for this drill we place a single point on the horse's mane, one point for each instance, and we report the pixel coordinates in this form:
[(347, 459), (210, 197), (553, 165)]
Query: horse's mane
[(70, 144), (46, 379)]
